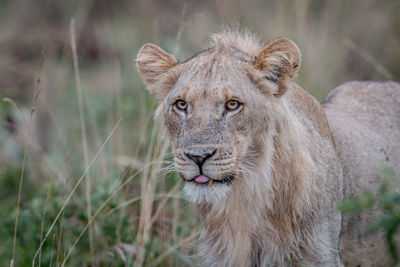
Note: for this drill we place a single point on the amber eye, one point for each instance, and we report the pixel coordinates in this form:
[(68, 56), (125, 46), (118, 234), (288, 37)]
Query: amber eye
[(181, 104), (232, 105)]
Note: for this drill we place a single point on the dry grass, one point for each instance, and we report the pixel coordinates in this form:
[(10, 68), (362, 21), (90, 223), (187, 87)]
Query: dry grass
[(89, 119)]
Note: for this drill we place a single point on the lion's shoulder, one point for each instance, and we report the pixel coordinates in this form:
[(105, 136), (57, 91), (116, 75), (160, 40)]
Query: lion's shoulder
[(307, 107), (365, 124), (365, 92), (373, 104)]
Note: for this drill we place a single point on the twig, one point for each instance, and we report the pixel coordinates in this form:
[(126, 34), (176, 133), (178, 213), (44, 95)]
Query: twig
[(181, 29), (136, 199), (112, 195), (161, 206), (172, 248), (21, 180), (147, 193), (42, 224), (74, 189), (84, 136)]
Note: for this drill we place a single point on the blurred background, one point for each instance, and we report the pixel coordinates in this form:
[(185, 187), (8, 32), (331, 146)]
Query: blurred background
[(85, 173)]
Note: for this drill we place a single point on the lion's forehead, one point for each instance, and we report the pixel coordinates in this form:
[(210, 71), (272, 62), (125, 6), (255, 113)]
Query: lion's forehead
[(211, 75)]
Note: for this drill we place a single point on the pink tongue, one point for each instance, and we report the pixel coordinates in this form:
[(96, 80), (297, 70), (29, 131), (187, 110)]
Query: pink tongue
[(201, 179)]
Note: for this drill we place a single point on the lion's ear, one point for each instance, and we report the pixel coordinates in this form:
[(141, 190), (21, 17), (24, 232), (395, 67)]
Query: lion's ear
[(279, 61), (156, 69)]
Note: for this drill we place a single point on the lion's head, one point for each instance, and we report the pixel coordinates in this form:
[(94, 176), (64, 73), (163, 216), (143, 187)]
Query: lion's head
[(219, 107)]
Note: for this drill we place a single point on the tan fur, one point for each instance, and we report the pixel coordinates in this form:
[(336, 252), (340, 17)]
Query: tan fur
[(365, 121), (154, 63), (276, 174)]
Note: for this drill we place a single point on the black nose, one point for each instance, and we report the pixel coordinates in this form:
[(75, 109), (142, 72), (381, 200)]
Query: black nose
[(200, 159)]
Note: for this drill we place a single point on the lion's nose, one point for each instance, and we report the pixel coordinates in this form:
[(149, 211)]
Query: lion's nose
[(200, 159)]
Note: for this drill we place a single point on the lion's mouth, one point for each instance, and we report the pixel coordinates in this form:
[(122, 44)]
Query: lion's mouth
[(205, 180)]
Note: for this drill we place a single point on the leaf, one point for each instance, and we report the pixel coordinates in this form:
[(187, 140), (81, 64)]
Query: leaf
[(357, 204)]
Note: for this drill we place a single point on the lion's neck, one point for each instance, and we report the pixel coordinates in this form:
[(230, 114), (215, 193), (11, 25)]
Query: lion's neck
[(265, 208), (226, 238)]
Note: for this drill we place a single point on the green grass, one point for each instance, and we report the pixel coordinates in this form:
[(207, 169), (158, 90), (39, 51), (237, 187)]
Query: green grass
[(387, 202)]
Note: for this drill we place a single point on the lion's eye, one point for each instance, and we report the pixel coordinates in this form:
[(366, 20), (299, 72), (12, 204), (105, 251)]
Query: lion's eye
[(232, 105), (181, 104)]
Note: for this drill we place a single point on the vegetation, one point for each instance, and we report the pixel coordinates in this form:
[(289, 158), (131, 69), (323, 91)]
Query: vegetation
[(387, 201), (85, 173)]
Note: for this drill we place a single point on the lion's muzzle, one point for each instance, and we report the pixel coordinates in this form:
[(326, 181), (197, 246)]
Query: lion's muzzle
[(200, 159), (206, 164)]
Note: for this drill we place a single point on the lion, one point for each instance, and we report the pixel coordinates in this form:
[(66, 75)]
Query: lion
[(262, 159)]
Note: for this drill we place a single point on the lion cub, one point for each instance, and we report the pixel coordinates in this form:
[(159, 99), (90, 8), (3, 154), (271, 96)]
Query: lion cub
[(263, 160)]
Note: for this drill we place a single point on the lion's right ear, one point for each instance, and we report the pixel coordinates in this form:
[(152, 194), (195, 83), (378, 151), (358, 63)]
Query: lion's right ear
[(156, 69)]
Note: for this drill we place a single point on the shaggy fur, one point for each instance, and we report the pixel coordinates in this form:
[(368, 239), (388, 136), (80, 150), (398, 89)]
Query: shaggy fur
[(276, 175)]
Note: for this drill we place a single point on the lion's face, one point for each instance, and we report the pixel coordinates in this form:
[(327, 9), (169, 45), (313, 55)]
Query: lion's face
[(216, 109), (214, 124)]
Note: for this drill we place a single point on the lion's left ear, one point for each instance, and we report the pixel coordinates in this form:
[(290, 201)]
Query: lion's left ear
[(279, 61)]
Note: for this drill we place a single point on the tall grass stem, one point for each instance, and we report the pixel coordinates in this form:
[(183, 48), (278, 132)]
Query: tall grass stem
[(84, 136)]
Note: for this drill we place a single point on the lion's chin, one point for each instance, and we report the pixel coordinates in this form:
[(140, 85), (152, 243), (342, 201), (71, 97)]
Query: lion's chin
[(199, 193)]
